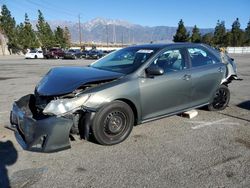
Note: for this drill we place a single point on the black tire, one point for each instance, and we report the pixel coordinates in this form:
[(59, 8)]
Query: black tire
[(221, 99), (113, 123), (35, 56)]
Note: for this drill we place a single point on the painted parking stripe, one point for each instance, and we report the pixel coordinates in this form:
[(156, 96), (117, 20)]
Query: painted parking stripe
[(4, 112), (206, 124)]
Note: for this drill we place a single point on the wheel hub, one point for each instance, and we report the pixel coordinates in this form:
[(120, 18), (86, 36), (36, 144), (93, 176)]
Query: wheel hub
[(115, 123), (220, 98)]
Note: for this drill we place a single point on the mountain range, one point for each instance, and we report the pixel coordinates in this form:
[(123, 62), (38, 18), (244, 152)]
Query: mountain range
[(102, 30)]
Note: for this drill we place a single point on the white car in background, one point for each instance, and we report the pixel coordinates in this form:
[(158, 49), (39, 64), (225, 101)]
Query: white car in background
[(34, 54)]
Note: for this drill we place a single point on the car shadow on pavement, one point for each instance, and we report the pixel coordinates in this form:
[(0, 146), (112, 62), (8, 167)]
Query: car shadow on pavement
[(8, 156), (245, 105)]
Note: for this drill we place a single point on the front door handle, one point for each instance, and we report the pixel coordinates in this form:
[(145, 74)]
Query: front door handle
[(186, 77)]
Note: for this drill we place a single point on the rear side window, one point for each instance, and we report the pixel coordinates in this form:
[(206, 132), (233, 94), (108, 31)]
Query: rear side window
[(200, 57), (171, 60)]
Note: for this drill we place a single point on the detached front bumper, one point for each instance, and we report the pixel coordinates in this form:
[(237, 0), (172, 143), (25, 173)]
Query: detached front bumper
[(39, 133)]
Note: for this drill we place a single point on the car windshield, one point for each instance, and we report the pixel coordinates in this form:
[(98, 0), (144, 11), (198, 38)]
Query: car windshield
[(32, 51), (71, 50), (126, 60)]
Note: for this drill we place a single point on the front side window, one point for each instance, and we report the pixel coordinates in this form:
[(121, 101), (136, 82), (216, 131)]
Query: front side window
[(33, 51), (200, 57), (171, 60), (126, 60)]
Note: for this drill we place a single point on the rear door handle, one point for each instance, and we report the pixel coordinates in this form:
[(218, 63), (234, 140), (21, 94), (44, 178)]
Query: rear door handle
[(186, 77)]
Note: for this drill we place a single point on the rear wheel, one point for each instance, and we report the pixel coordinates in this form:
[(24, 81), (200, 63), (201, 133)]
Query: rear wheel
[(35, 56), (113, 123), (221, 99)]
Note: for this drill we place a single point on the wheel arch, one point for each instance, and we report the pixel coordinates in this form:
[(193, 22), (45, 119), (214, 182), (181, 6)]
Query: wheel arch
[(132, 106)]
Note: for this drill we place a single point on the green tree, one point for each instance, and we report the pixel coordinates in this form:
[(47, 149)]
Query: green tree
[(208, 39), (59, 37), (45, 34), (26, 35), (67, 37), (181, 34), (227, 39), (219, 33), (247, 34), (8, 27), (196, 35), (237, 33)]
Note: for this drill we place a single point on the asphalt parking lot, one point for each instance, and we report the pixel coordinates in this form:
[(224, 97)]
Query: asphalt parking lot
[(211, 150)]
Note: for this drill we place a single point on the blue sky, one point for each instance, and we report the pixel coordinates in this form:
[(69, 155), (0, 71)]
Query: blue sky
[(203, 13)]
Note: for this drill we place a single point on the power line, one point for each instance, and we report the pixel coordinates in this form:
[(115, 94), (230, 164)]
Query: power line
[(62, 9), (39, 5), (25, 10)]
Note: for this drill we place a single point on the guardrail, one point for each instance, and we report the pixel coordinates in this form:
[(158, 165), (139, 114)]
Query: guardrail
[(238, 50)]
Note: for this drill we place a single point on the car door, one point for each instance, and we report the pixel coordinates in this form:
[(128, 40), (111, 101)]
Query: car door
[(167, 93), (206, 74), (40, 54)]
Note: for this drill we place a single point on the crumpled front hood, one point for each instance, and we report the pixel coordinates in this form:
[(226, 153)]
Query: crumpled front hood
[(63, 80)]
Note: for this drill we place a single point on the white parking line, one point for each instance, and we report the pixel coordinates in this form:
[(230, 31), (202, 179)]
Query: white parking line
[(218, 122), (4, 112)]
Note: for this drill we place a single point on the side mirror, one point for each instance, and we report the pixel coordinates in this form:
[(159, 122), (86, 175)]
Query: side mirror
[(154, 70)]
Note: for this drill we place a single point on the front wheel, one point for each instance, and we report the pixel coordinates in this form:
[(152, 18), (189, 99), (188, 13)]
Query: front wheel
[(221, 99), (113, 123)]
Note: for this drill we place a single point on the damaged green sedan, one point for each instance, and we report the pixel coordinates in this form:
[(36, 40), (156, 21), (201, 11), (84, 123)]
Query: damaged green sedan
[(130, 86)]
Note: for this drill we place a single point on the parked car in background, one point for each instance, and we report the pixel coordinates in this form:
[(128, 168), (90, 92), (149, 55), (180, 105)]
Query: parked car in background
[(130, 86), (95, 54), (54, 53), (85, 53), (34, 54), (73, 54)]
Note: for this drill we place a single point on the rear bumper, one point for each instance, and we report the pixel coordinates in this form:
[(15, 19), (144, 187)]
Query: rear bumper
[(69, 56), (42, 134)]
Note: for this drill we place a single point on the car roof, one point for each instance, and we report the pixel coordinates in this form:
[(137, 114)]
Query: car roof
[(164, 45), (161, 46)]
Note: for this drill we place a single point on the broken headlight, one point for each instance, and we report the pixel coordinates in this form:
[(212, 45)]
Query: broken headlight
[(62, 106)]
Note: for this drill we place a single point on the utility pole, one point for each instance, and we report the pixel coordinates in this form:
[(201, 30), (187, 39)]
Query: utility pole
[(80, 30), (114, 34), (122, 38), (107, 32), (129, 36)]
